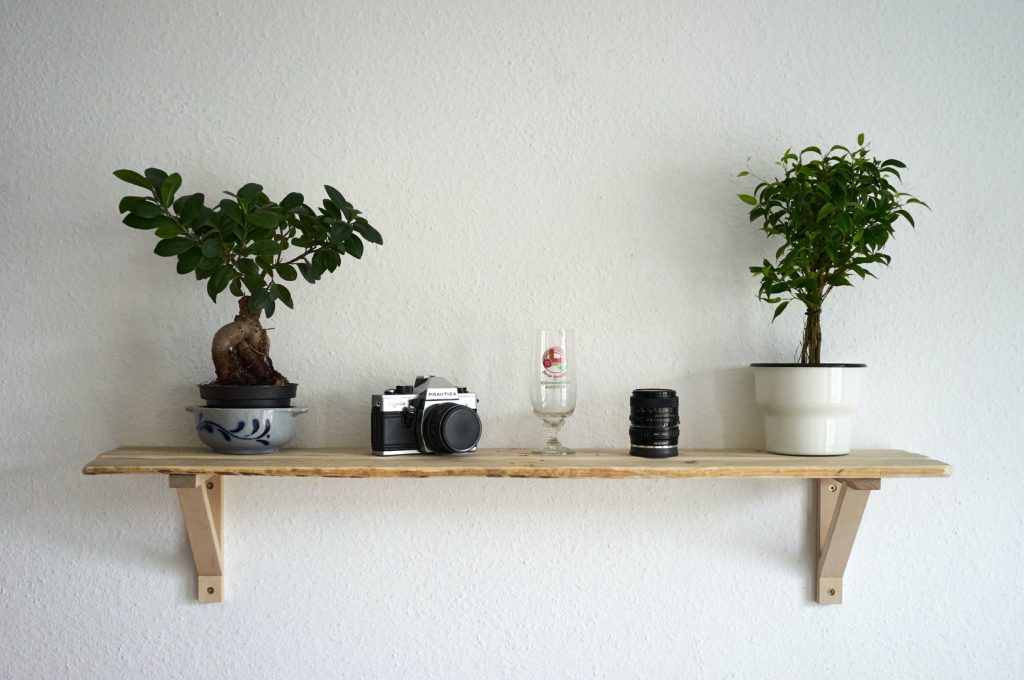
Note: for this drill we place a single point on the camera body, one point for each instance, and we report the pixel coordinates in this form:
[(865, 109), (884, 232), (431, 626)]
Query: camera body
[(431, 416)]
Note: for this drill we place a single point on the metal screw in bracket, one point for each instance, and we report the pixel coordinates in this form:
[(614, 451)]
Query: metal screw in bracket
[(209, 591), (209, 485), (833, 488), (831, 591)]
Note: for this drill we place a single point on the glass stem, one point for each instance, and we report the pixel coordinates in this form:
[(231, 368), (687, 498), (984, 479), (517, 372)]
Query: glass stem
[(553, 430), (553, 445)]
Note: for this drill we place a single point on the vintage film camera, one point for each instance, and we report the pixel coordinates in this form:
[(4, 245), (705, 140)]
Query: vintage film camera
[(432, 416)]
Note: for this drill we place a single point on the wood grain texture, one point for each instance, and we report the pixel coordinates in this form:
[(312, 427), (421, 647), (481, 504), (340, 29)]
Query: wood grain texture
[(600, 463), (202, 507), (842, 510)]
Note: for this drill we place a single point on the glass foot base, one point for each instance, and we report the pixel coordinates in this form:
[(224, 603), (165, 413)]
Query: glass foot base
[(552, 445), (556, 450)]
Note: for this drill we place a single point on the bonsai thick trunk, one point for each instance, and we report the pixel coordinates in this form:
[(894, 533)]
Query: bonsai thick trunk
[(810, 350), (241, 351)]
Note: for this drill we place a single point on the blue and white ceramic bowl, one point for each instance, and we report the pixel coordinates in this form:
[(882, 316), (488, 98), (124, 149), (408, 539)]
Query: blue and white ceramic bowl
[(245, 430)]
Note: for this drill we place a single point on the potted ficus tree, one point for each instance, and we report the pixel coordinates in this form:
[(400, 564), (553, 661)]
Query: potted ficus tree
[(835, 212), (247, 245)]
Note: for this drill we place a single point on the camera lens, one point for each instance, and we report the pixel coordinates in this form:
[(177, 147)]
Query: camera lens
[(451, 428), (654, 423)]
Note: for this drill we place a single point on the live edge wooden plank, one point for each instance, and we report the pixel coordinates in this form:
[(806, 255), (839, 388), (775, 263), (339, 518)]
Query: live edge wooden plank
[(602, 463)]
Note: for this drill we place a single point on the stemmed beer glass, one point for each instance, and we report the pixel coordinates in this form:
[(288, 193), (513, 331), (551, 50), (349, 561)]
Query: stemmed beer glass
[(553, 383)]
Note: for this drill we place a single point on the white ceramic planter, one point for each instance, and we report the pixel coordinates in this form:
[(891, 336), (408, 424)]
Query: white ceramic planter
[(808, 410)]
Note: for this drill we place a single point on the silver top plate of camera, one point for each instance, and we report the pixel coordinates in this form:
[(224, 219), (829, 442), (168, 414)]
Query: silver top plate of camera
[(431, 388)]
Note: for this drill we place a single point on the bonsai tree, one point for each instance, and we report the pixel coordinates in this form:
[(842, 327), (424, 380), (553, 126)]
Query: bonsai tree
[(245, 244), (835, 212)]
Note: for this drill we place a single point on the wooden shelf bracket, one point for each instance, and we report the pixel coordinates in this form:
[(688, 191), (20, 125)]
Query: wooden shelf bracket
[(841, 504), (201, 498)]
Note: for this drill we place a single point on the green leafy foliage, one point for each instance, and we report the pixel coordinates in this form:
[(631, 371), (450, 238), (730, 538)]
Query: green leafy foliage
[(245, 243), (835, 212)]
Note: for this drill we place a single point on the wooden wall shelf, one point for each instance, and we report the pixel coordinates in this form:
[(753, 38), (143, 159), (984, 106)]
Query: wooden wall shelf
[(842, 484)]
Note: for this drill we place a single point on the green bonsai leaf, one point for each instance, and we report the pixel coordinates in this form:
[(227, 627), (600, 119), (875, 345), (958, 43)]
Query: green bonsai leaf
[(191, 209), (156, 179), (286, 272), (291, 201), (189, 260), (219, 280), (168, 230), (173, 246), (308, 272), (265, 247), (367, 232), (336, 196), (133, 177), (266, 219), (136, 222), (247, 267), (169, 187), (248, 193), (128, 202), (332, 259), (231, 211), (144, 209), (211, 247), (281, 293), (354, 246), (339, 234)]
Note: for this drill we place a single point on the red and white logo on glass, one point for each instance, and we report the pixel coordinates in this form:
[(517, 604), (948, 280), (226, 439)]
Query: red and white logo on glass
[(554, 362)]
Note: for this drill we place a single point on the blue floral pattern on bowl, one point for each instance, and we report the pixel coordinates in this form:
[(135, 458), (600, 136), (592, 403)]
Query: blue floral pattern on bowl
[(235, 432), (245, 430)]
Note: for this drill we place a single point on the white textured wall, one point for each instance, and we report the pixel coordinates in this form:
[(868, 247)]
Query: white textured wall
[(526, 163)]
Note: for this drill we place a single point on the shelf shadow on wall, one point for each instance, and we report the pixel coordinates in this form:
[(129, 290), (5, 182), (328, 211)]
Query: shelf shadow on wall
[(529, 521)]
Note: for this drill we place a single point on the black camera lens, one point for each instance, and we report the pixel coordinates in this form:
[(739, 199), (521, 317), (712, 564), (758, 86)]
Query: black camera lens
[(654, 423), (451, 428)]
